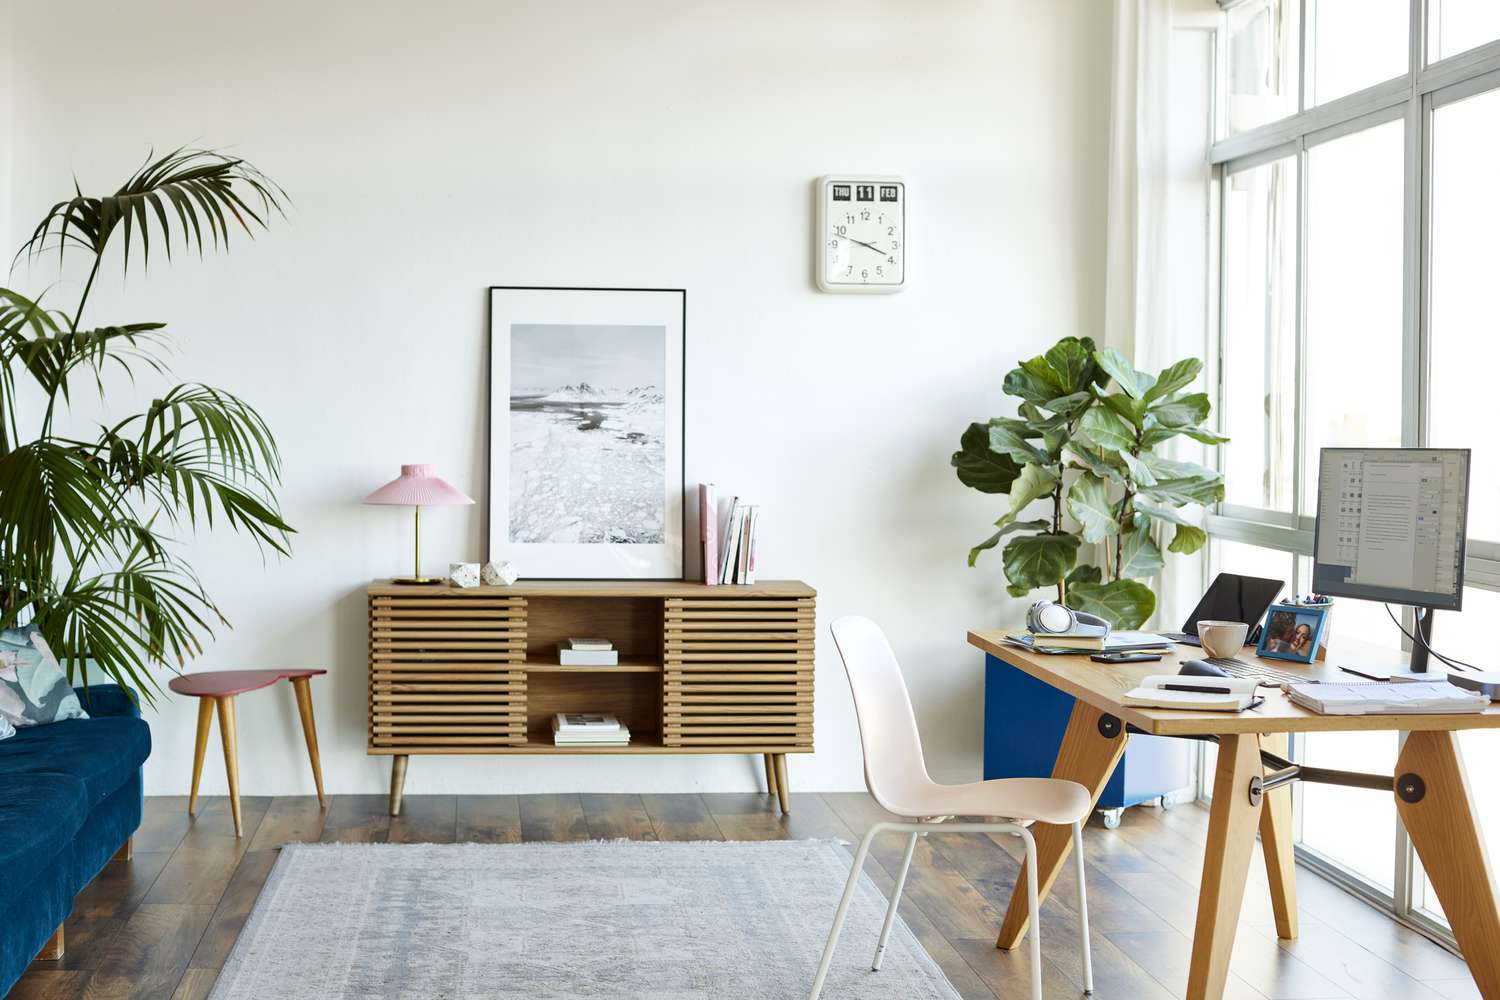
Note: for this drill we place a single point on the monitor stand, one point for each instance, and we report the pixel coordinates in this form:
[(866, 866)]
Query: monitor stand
[(1424, 639), (1417, 671)]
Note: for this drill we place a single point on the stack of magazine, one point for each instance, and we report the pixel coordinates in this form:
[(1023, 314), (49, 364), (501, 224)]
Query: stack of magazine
[(572, 729), (587, 653), (729, 531)]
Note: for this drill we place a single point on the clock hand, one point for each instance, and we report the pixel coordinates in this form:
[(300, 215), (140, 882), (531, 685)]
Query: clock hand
[(862, 243)]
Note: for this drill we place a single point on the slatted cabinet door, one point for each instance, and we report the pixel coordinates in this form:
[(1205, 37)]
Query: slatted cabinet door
[(446, 671), (738, 672)]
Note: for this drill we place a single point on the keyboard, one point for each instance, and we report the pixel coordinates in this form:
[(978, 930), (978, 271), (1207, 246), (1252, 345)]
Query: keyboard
[(1259, 671)]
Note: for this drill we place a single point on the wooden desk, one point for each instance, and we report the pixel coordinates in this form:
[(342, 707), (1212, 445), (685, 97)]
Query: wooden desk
[(1430, 788)]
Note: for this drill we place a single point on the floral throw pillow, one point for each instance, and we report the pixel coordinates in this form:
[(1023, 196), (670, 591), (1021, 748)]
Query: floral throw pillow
[(33, 688)]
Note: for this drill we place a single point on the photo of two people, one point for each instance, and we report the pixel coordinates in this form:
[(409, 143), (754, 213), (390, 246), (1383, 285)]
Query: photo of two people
[(1292, 634)]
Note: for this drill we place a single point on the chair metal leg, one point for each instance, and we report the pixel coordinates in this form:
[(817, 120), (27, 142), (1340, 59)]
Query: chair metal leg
[(1083, 912), (921, 829), (890, 912), (838, 916), (1033, 909)]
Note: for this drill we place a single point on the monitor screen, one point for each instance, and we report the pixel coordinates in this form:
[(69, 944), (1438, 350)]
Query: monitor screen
[(1391, 524)]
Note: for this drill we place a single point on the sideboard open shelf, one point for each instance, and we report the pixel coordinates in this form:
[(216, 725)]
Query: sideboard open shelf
[(723, 670)]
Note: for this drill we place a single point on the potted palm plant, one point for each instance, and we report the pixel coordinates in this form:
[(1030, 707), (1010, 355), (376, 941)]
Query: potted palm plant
[(87, 523)]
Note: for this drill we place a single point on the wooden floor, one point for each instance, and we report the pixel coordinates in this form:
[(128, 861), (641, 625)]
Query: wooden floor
[(162, 924)]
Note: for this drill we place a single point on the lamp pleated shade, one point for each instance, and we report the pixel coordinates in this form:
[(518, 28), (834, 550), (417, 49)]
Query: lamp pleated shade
[(418, 487)]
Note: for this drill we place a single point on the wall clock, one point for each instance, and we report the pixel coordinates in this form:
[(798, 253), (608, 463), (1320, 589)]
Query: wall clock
[(861, 234)]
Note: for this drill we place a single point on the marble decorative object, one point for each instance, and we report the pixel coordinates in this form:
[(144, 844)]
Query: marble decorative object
[(501, 574), (464, 574)]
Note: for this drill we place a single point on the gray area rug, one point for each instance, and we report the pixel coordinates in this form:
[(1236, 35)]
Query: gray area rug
[(623, 920)]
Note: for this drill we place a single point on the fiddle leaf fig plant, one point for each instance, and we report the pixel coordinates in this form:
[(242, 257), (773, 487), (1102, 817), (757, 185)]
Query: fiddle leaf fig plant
[(1084, 440)]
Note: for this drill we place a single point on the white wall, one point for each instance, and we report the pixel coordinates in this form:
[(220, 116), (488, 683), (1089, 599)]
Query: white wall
[(434, 149)]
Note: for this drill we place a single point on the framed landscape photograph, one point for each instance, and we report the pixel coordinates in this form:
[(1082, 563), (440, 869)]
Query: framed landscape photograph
[(586, 415)]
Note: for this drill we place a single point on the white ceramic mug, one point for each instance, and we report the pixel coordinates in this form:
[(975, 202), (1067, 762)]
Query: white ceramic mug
[(1222, 639)]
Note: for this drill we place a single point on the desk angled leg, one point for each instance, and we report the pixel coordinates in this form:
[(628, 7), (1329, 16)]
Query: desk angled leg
[(1091, 747), (1432, 796), (1226, 862), (1276, 845)]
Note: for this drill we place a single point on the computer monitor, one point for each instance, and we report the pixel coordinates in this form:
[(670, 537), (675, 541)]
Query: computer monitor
[(1391, 527)]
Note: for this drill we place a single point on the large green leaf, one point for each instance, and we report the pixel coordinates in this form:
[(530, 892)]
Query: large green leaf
[(1187, 539), (1084, 573), (1204, 435), (1140, 557), (1132, 410), (1170, 468), (1133, 383), (1022, 383), (1070, 406), (1107, 429), (1198, 489), (1105, 465), (1034, 561), (1140, 472), (1034, 482), (1181, 411), (1006, 525), (980, 467), (1174, 377), (1072, 361), (1125, 604), (1088, 502), (1010, 437)]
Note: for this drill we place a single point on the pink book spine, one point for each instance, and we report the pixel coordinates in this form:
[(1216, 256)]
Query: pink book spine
[(708, 532)]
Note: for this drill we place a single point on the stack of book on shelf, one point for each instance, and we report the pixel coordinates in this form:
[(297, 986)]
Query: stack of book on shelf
[(587, 653), (729, 529), (572, 729)]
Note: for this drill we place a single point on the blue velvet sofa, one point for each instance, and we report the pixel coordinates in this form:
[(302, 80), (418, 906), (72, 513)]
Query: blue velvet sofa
[(70, 797)]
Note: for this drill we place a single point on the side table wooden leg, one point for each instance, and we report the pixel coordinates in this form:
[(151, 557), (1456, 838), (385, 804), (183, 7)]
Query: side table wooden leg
[(303, 689), (770, 774), (228, 733), (1091, 747), (1432, 796), (1276, 845), (205, 722), (398, 782), (783, 790), (1226, 862)]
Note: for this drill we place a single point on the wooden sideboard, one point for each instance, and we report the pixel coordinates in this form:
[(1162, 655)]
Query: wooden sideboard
[(724, 669)]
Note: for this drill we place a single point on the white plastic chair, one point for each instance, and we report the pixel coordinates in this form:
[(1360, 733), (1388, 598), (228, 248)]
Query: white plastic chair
[(896, 775)]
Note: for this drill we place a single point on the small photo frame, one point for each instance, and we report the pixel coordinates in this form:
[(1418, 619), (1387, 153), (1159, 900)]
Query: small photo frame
[(1293, 632)]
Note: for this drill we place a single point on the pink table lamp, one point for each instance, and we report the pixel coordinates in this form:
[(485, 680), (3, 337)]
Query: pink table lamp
[(417, 487)]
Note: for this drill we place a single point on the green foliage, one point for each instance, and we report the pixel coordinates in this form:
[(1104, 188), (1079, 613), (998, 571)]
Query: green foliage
[(1084, 437), (86, 526)]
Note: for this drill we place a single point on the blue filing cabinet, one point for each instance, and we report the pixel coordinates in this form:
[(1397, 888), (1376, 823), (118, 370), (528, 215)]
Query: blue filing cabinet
[(1024, 720)]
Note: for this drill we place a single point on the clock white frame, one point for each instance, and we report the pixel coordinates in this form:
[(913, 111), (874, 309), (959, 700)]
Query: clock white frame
[(823, 196)]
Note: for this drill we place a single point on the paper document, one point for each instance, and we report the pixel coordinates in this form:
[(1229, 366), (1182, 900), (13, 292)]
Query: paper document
[(1423, 698)]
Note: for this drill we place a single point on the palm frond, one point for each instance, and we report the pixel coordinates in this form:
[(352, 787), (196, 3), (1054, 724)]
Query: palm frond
[(202, 187)]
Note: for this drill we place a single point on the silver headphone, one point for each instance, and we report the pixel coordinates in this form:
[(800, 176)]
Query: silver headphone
[(1049, 618)]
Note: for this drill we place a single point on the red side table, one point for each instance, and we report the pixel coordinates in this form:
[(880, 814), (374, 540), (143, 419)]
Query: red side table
[(217, 689)]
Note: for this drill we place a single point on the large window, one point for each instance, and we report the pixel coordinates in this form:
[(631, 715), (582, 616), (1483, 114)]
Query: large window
[(1358, 167)]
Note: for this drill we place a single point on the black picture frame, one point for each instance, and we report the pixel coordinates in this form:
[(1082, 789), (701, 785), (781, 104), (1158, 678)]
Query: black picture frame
[(546, 560)]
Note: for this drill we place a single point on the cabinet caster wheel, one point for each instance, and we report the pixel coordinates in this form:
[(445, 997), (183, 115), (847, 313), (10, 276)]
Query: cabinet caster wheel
[(1165, 802), (1111, 818)]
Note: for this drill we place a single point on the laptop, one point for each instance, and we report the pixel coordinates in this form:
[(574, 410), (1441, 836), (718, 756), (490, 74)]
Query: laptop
[(1230, 598)]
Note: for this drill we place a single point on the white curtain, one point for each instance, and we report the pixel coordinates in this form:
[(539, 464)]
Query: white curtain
[(1156, 267), (1135, 301)]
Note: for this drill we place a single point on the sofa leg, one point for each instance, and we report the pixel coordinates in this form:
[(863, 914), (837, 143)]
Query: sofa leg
[(53, 949), (126, 851)]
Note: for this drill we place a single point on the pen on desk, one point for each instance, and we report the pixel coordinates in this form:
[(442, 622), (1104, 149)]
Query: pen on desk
[(1196, 690), (1361, 673)]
